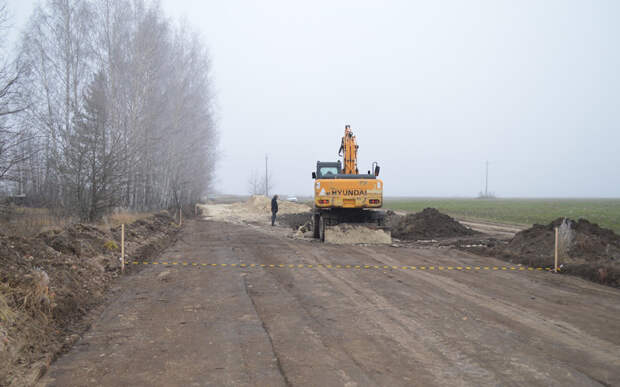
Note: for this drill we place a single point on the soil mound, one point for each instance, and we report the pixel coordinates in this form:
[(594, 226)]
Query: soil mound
[(585, 249), (586, 241), (49, 282), (295, 221), (427, 224), (430, 223)]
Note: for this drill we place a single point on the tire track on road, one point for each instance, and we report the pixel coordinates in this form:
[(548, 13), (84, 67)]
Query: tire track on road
[(285, 379)]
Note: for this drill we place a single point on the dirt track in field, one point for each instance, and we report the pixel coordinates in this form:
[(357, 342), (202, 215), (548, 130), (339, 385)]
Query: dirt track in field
[(230, 326)]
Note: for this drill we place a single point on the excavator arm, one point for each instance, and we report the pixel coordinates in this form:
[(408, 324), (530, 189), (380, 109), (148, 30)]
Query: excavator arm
[(348, 151)]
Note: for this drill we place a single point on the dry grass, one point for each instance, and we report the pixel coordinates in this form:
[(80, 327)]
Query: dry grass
[(7, 316), (28, 222), (123, 218), (38, 298), (25, 221)]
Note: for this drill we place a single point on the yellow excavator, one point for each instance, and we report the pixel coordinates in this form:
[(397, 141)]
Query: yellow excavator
[(342, 194)]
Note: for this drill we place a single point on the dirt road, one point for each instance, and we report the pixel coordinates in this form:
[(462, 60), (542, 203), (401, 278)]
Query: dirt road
[(263, 326)]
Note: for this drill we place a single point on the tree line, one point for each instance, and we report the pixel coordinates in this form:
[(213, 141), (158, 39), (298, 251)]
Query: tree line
[(106, 104)]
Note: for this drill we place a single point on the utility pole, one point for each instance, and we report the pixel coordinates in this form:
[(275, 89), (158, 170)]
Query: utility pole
[(486, 181), (266, 178)]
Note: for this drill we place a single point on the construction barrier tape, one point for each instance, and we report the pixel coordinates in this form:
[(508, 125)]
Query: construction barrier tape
[(349, 266)]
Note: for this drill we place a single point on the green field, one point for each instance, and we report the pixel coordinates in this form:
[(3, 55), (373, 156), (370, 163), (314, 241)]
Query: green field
[(605, 212)]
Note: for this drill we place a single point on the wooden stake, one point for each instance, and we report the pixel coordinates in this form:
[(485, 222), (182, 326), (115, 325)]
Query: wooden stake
[(557, 232), (122, 248), (180, 216)]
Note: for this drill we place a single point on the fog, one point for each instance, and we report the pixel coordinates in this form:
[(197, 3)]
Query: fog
[(431, 89)]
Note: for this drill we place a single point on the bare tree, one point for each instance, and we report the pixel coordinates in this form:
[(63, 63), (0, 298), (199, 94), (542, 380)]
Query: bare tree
[(55, 49), (96, 157), (121, 103), (12, 102), (255, 185)]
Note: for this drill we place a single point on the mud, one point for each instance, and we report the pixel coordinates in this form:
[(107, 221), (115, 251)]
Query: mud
[(49, 282), (427, 224), (590, 252)]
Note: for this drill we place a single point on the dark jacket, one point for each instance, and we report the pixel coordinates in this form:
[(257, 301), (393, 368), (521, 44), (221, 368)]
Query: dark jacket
[(274, 205)]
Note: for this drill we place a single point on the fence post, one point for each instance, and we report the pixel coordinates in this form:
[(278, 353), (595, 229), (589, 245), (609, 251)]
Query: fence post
[(123, 248), (557, 232)]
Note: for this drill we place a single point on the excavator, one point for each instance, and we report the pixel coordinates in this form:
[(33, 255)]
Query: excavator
[(342, 194)]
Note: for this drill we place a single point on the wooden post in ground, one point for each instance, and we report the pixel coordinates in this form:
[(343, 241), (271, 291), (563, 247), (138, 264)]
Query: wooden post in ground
[(180, 216), (122, 248), (557, 232)]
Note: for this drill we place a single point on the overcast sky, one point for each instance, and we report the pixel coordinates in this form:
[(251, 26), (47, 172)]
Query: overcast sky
[(432, 89)]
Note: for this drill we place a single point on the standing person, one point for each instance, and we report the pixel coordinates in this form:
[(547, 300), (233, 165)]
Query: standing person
[(274, 209)]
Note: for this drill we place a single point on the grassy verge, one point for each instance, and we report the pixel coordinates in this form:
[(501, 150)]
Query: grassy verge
[(28, 222), (605, 212)]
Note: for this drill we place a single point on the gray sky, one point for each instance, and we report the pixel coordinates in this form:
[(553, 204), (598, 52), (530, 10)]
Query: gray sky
[(432, 89)]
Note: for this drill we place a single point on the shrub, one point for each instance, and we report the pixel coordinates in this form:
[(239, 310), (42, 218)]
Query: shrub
[(110, 245)]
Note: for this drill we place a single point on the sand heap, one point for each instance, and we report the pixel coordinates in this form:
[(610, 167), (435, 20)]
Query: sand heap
[(427, 224), (256, 210), (350, 233), (262, 205)]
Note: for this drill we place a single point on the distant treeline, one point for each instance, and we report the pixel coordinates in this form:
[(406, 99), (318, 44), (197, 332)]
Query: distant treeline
[(107, 103)]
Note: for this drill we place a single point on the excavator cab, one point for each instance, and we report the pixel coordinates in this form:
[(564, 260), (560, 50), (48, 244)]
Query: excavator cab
[(333, 170), (327, 170)]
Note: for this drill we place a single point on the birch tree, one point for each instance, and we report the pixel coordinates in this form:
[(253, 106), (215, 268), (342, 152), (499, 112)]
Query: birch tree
[(120, 98), (12, 103)]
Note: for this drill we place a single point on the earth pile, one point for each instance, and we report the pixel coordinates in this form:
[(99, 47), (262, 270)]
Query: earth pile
[(427, 224), (586, 250), (49, 282)]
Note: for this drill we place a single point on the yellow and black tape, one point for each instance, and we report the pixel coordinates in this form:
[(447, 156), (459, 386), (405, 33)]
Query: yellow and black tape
[(341, 266)]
